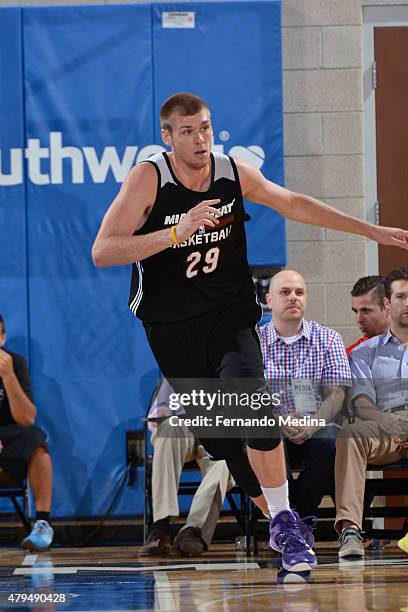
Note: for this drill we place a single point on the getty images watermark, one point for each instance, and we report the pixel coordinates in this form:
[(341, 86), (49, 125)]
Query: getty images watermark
[(231, 411)]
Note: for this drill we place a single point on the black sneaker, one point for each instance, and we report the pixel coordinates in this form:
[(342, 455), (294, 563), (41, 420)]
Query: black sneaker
[(189, 542), (158, 543)]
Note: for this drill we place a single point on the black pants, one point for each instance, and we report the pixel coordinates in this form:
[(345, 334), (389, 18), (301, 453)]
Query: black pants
[(19, 445), (316, 459)]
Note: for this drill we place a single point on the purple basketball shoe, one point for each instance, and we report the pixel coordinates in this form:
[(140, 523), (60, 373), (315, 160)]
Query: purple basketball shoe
[(294, 540)]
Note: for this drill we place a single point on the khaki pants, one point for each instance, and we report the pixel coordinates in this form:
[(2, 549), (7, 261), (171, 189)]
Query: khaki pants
[(169, 456), (359, 444)]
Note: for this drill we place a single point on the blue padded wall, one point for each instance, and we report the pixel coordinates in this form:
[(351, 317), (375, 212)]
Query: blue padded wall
[(82, 86)]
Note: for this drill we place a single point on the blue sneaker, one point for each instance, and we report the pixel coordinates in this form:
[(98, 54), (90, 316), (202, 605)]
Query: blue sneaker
[(40, 538), (292, 538)]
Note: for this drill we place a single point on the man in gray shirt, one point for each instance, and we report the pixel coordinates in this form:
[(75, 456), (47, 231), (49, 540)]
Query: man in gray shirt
[(379, 369)]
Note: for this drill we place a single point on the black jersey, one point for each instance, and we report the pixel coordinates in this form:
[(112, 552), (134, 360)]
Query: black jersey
[(207, 270)]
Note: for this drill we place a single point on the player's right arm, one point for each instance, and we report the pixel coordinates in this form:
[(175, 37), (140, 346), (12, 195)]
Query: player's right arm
[(115, 244)]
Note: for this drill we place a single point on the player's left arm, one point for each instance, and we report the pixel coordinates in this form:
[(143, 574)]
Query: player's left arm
[(306, 209)]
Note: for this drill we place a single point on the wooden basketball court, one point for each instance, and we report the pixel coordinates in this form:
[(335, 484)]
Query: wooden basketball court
[(116, 578)]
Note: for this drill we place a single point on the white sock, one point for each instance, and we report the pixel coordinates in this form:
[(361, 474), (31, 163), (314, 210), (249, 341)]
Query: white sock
[(277, 498)]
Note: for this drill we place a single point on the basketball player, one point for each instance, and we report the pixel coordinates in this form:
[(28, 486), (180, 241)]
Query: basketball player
[(179, 219)]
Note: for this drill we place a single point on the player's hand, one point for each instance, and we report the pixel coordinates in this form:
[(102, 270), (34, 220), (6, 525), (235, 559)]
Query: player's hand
[(204, 214), (1, 446), (6, 364), (392, 236)]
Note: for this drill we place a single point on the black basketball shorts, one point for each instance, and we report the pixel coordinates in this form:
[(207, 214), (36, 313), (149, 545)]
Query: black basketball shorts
[(223, 345)]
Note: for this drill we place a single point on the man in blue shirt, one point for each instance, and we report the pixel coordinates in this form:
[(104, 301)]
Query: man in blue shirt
[(379, 396)]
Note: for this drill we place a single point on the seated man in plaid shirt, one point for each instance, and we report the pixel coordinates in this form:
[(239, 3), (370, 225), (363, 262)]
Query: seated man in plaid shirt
[(307, 364)]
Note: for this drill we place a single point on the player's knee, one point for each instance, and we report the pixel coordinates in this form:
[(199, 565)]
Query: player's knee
[(223, 449), (264, 444)]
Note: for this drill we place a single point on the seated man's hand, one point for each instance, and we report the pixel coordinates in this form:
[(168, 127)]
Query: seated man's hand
[(291, 430), (164, 411), (298, 434), (303, 434), (6, 364), (389, 423), (403, 429)]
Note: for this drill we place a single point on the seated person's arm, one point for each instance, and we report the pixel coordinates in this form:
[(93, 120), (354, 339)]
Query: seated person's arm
[(332, 405), (18, 388), (367, 411), (336, 373)]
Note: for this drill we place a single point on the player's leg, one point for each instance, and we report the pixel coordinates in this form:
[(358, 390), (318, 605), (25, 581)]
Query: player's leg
[(236, 354)]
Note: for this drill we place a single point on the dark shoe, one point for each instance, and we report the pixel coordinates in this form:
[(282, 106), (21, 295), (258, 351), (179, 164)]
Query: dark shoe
[(189, 542), (158, 543)]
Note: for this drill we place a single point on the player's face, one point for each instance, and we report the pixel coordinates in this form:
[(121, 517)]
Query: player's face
[(399, 303), (190, 138), (287, 298), (371, 318)]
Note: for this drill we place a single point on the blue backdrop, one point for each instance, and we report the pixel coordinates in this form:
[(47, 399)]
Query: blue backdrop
[(80, 91)]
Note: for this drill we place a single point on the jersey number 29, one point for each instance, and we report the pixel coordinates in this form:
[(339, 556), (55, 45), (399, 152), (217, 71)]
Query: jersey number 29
[(210, 259)]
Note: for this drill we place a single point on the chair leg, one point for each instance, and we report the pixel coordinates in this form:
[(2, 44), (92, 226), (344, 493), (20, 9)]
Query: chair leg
[(246, 504), (21, 514), (239, 516), (148, 506), (253, 526)]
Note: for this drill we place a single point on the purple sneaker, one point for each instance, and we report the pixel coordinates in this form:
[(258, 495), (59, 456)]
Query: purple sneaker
[(293, 538), (307, 529)]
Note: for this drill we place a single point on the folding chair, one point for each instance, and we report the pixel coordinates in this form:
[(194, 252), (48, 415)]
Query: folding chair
[(15, 492)]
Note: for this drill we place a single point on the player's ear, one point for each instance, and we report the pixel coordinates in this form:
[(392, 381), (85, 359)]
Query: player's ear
[(166, 137)]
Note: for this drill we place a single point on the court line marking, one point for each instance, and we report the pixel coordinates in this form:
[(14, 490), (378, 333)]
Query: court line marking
[(299, 587), (202, 567), (402, 561), (23, 570), (29, 560), (204, 607), (29, 571), (163, 590)]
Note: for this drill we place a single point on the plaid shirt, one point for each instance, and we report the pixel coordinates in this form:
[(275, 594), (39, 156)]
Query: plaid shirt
[(319, 355)]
